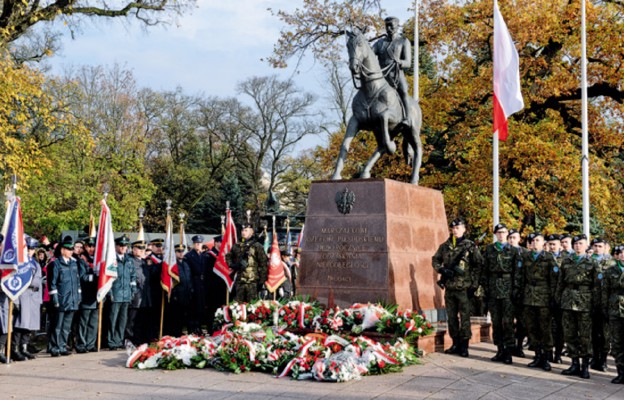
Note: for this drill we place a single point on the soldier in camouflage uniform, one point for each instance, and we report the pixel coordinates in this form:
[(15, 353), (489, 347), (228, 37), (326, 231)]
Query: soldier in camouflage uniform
[(578, 292), (553, 244), (613, 307), (497, 280), (535, 285), (520, 328), (600, 323), (249, 260), (566, 244), (459, 262)]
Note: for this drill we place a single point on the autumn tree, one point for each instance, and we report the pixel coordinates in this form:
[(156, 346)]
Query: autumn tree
[(540, 163), (281, 117), (19, 17)]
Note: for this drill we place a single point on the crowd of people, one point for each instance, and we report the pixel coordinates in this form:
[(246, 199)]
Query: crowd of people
[(61, 300), (562, 293)]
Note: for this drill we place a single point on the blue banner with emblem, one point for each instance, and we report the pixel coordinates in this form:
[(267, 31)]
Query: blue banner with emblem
[(16, 282), (17, 273)]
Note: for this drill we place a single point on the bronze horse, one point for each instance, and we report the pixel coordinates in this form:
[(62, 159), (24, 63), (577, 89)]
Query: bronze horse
[(377, 107)]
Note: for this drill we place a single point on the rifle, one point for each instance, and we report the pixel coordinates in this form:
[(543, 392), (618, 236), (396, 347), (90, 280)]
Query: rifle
[(448, 273)]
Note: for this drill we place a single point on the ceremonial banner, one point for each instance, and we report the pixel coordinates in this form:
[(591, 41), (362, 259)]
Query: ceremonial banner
[(16, 270), (13, 251), (14, 283), (169, 276), (276, 274), (105, 259), (229, 238), (507, 96), (300, 238)]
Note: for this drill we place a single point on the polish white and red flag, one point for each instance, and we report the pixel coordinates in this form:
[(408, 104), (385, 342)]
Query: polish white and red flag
[(169, 275), (507, 95), (221, 267), (105, 259)]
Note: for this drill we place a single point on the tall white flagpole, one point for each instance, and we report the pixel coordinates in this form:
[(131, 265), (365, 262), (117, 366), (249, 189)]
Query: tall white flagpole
[(416, 94), (495, 194), (585, 149)]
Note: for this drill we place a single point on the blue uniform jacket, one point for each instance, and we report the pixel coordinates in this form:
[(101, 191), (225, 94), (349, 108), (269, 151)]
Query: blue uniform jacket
[(65, 284), (124, 286)]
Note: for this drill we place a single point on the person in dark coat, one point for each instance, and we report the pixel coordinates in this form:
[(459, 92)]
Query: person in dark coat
[(28, 319), (154, 257), (138, 314), (64, 285), (178, 308), (120, 294), (88, 323), (196, 260), (217, 288)]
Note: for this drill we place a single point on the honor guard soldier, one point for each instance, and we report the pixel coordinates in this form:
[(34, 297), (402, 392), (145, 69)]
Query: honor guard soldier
[(29, 317), (177, 309), (217, 287), (154, 263), (197, 261), (600, 323), (141, 303), (520, 334), (458, 261), (121, 294), (566, 244), (65, 294), (578, 291), (88, 314), (497, 277), (536, 287), (613, 308), (553, 245), (249, 260)]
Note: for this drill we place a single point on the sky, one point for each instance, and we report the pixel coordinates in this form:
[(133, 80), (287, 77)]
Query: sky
[(207, 52)]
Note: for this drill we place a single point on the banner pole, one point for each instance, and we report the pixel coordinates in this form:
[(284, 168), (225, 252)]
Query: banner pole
[(9, 332), (99, 336), (162, 315)]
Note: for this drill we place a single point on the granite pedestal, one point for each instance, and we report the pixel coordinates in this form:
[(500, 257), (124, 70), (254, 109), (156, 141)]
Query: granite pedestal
[(372, 240)]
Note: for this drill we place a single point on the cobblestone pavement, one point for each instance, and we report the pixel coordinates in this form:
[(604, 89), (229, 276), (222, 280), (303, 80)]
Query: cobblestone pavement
[(103, 376)]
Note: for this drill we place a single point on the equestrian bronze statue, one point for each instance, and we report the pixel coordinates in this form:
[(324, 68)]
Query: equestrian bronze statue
[(378, 107)]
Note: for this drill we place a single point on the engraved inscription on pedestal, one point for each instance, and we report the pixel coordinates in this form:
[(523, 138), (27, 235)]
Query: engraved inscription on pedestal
[(371, 240)]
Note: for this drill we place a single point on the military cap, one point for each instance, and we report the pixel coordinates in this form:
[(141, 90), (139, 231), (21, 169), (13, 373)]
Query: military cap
[(579, 238), (552, 237), (122, 241), (512, 231), (247, 225), (564, 236), (458, 221), (32, 243), (618, 249), (284, 253), (67, 242), (597, 240), (139, 244), (533, 235), (499, 227), (157, 242), (218, 238), (197, 239), (180, 247), (90, 241)]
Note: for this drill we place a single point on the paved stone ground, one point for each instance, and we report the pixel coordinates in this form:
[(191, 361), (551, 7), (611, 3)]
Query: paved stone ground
[(103, 376)]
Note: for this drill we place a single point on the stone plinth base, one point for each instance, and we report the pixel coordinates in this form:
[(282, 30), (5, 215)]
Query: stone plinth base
[(372, 240)]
